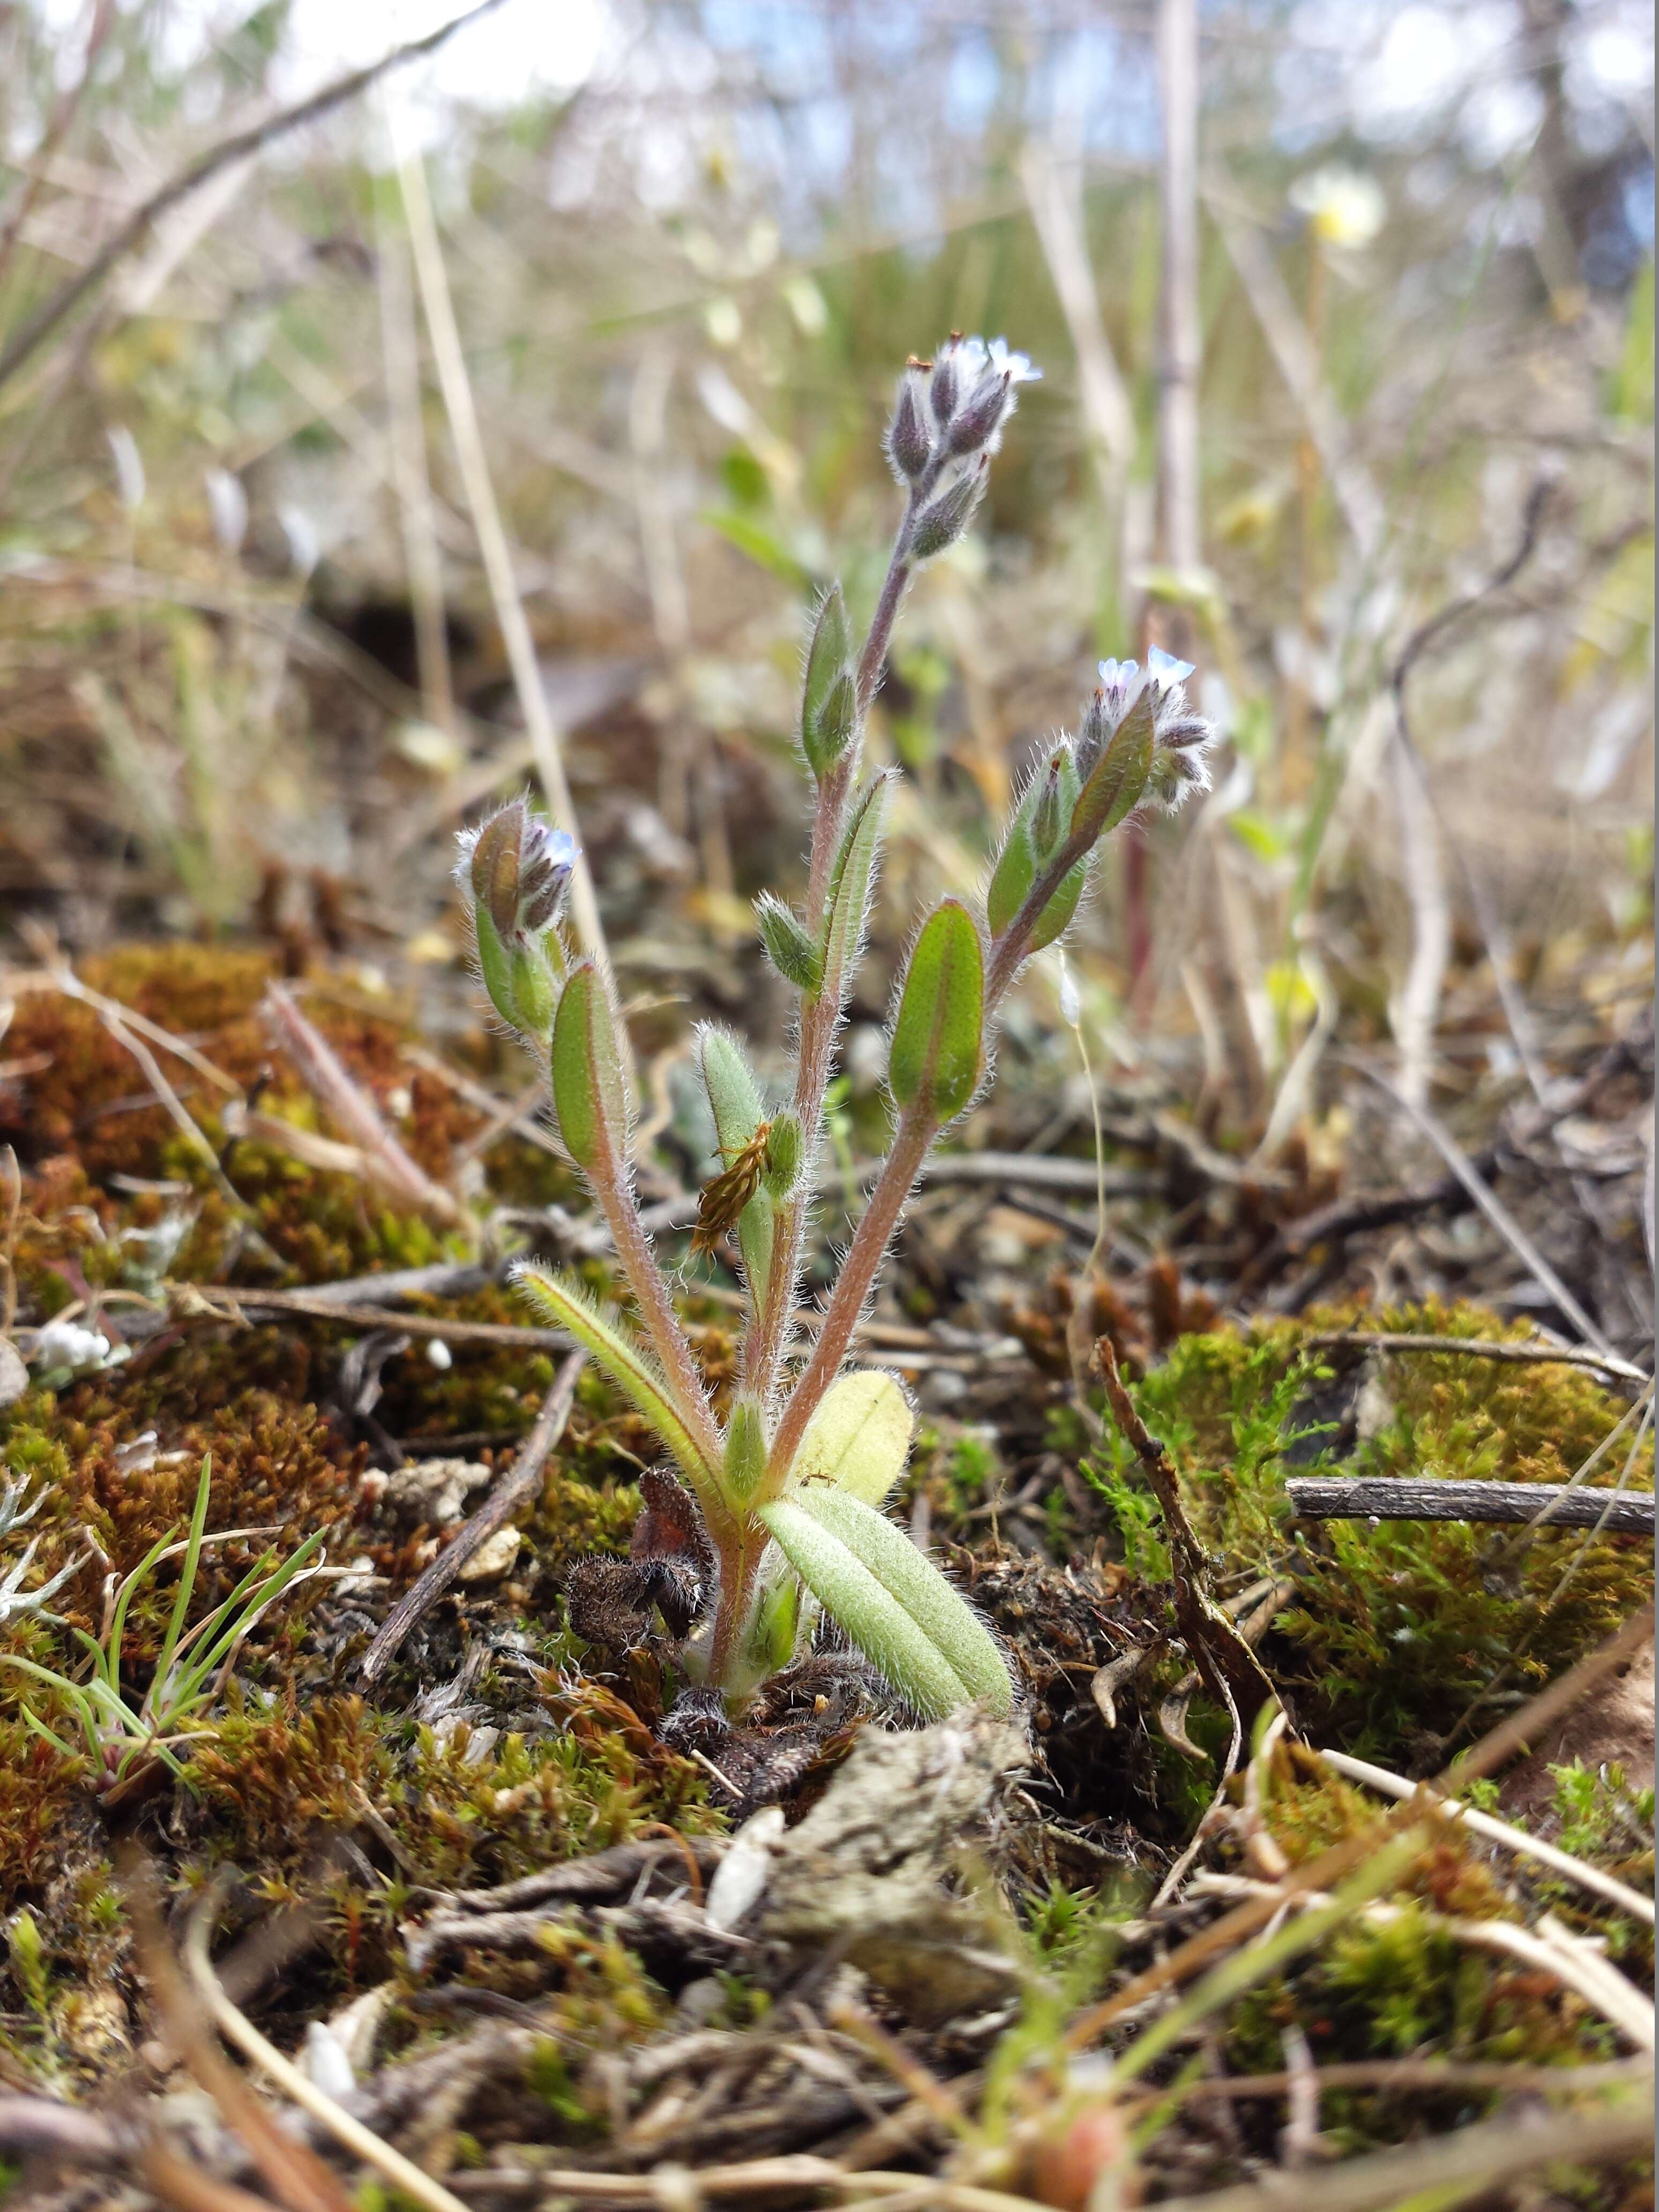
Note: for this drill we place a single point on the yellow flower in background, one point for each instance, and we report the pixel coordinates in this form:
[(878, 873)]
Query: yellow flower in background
[(1344, 207)]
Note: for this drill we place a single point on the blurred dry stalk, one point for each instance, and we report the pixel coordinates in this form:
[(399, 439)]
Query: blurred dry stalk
[(675, 288)]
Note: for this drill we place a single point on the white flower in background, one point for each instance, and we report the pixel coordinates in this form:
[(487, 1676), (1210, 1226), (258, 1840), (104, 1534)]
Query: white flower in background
[(227, 506), (1016, 366), (1344, 207), (129, 466), (64, 1347)]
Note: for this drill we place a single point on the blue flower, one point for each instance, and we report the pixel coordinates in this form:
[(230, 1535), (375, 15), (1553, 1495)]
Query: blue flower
[(1016, 366), (1164, 669)]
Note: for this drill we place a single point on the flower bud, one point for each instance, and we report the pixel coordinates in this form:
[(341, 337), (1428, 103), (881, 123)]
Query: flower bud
[(909, 440), (942, 391), (516, 869), (942, 522), (1046, 815), (981, 415)]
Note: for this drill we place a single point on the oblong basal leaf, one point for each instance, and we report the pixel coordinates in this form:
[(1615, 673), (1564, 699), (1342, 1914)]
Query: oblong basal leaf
[(627, 1368), (858, 1438), (876, 1621), (941, 1614)]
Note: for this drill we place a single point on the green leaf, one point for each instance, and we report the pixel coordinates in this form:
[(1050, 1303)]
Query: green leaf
[(762, 546), (893, 1603), (786, 1149), (859, 1437), (622, 1360), (745, 1450), (788, 943), (1056, 916), (1015, 872), (936, 1054), (1119, 776), (828, 706), (734, 1098), (849, 890), (588, 1094)]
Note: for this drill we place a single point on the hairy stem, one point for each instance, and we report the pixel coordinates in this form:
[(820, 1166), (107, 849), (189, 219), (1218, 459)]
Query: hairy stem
[(819, 1020), (764, 1345), (645, 1280), (864, 1258)]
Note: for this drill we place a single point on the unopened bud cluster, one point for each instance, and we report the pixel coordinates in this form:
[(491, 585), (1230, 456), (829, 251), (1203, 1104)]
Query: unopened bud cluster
[(947, 422), (515, 871)]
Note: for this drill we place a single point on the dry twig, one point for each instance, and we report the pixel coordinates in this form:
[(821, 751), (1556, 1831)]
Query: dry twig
[(504, 1500)]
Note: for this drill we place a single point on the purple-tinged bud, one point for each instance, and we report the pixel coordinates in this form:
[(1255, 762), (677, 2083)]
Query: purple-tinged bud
[(909, 440), (517, 869), (979, 418), (942, 392), (1097, 728), (942, 522)]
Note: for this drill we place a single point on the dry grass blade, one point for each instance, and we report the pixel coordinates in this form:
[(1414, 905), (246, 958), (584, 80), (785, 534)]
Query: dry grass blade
[(295, 2173), (1489, 1203), (492, 536), (1474, 1347), (351, 2133), (510, 1492), (1471, 2161), (385, 1159), (229, 151), (1587, 1877)]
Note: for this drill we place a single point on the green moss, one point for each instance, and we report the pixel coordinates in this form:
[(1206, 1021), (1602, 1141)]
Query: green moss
[(1394, 1633)]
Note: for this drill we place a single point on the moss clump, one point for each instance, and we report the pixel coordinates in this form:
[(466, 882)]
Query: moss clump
[(38, 1809), (1396, 1634), (278, 1472)]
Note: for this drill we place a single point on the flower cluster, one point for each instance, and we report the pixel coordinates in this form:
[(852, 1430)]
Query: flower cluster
[(1181, 737), (947, 422)]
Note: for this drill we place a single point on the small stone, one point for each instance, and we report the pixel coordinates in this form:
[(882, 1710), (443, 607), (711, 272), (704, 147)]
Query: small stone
[(434, 1491), (493, 1560)]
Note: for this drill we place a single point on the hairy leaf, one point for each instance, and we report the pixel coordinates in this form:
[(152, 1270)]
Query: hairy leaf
[(936, 1054), (829, 710), (588, 1093), (788, 943), (891, 1601), (858, 1438), (622, 1361), (849, 891)]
